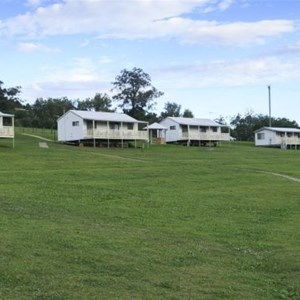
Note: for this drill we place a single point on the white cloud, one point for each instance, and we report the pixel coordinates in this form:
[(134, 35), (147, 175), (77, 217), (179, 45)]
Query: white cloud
[(230, 73), (218, 5), (225, 4), (35, 47), (34, 2), (105, 60), (80, 70), (142, 19), (80, 78), (237, 34)]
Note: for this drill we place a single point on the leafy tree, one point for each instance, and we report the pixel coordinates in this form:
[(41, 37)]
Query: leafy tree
[(86, 104), (172, 109), (188, 114), (221, 120), (9, 98), (45, 112), (135, 93), (244, 127), (100, 102)]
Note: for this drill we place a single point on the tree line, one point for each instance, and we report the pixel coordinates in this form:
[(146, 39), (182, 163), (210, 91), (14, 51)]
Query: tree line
[(133, 94)]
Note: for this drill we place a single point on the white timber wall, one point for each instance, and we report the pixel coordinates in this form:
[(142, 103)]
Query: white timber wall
[(173, 134), (269, 138), (70, 127)]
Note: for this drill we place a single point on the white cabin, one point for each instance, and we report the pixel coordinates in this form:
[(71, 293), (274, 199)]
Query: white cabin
[(7, 127), (287, 138), (193, 131), (100, 128)]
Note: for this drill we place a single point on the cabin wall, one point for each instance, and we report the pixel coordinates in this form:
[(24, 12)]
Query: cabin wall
[(70, 128), (173, 132)]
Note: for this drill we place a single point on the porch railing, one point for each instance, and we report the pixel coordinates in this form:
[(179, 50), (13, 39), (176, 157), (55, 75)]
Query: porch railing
[(116, 134), (7, 131), (288, 140), (205, 136)]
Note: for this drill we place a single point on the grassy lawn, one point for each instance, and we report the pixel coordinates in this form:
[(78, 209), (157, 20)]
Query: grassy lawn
[(168, 222)]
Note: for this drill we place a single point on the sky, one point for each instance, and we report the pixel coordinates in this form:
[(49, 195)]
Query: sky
[(213, 57)]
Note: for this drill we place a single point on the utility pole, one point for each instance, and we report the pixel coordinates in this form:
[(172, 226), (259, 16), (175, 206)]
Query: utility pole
[(270, 122)]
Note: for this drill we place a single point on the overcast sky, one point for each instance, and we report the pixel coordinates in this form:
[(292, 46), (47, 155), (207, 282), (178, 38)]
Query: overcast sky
[(214, 57)]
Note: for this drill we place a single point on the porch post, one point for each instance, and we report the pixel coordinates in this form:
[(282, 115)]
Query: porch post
[(209, 129), (107, 134), (94, 141), (148, 132), (122, 141), (13, 126)]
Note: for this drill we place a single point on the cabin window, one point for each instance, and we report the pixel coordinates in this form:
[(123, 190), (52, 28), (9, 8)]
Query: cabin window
[(130, 126), (75, 123), (89, 124), (260, 136), (115, 126), (7, 121), (142, 127), (289, 134), (173, 127), (203, 129), (101, 124), (224, 130), (184, 128), (214, 129)]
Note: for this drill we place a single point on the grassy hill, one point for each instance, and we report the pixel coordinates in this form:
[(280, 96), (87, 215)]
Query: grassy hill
[(168, 222)]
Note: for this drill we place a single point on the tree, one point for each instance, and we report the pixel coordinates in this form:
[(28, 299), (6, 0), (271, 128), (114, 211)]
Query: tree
[(45, 112), (100, 102), (188, 114), (135, 93), (86, 104), (244, 127), (172, 109), (221, 120), (9, 98)]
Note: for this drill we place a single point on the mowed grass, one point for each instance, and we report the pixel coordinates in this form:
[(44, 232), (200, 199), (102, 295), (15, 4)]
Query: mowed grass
[(168, 222)]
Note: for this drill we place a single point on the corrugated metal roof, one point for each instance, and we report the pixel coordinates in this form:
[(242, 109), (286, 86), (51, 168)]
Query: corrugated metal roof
[(5, 115), (194, 121), (104, 116), (279, 129), (156, 126)]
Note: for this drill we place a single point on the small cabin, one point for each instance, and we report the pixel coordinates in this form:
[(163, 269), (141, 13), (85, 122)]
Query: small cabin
[(285, 138), (193, 131), (100, 128), (7, 127)]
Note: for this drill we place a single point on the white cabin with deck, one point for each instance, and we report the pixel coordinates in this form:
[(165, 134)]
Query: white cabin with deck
[(100, 128), (193, 131), (7, 127), (286, 138)]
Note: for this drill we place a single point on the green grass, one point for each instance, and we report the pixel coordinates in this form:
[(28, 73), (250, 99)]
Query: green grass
[(50, 134), (168, 222)]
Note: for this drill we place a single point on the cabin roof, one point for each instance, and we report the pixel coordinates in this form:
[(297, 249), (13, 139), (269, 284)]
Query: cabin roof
[(194, 121), (104, 116), (156, 126), (279, 129), (5, 115)]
